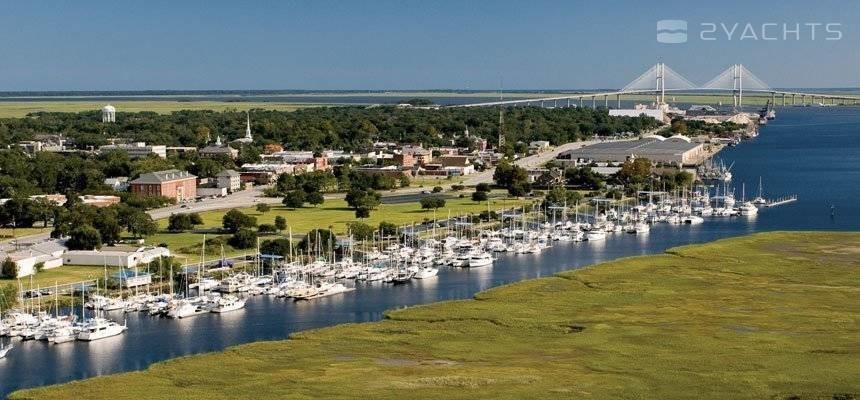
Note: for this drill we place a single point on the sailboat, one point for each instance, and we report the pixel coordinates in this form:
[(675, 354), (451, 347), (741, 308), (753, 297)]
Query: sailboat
[(747, 207), (760, 199)]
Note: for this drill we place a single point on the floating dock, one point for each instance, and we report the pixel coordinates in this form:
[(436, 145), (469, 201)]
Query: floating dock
[(781, 201)]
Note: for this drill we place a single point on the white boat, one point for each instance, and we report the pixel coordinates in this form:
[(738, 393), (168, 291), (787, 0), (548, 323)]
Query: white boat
[(228, 303), (5, 350), (426, 272), (693, 219), (63, 335), (100, 328), (641, 227), (481, 259), (595, 236), (748, 208), (185, 308)]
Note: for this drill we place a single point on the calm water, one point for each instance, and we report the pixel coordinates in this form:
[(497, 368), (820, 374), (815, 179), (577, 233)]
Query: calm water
[(811, 152)]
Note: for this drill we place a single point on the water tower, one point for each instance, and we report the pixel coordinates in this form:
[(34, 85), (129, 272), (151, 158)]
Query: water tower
[(108, 113)]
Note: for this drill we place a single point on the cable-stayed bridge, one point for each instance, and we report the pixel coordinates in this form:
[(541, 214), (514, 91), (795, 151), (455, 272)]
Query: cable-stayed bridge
[(659, 79)]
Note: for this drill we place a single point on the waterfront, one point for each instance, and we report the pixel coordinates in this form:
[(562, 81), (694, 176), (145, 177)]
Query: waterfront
[(812, 152)]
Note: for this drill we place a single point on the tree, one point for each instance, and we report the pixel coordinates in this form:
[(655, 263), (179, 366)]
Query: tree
[(433, 202), (280, 223), (634, 172), (195, 219), (263, 208), (140, 224), (294, 199), (179, 223), (9, 269), (84, 237), (108, 226), (584, 177), (362, 212), (559, 196), (315, 198), (480, 196), (360, 231), (276, 247), (482, 187), (363, 198), (512, 177), (519, 189), (234, 220), (437, 189), (387, 228), (243, 239), (266, 228)]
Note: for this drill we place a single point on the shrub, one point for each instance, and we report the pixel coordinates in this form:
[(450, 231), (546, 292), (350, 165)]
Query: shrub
[(243, 239)]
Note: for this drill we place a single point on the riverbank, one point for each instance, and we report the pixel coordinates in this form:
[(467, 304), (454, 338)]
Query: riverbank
[(763, 316)]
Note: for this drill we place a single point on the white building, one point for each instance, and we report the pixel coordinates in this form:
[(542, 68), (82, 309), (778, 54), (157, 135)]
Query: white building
[(108, 114), (137, 149), (115, 256), (49, 253), (229, 179), (248, 138)]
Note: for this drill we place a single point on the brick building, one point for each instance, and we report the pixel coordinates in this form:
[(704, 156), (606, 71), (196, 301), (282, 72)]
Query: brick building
[(179, 185)]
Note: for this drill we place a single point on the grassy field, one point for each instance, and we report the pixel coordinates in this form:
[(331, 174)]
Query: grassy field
[(769, 316), (334, 213), (7, 233), (17, 109)]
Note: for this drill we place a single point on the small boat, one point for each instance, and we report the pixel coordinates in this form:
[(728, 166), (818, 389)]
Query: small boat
[(595, 236), (481, 259), (426, 272), (5, 350), (100, 328), (228, 303)]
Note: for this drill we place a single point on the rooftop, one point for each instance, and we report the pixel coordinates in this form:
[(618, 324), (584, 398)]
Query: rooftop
[(169, 175)]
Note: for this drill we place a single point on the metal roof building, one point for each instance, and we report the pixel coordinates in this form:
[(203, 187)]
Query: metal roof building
[(676, 150)]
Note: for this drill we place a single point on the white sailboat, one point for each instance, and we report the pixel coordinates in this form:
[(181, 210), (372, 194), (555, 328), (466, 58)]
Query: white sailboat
[(5, 350), (228, 303)]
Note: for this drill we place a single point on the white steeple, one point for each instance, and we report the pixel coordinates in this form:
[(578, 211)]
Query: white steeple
[(248, 128), (218, 141)]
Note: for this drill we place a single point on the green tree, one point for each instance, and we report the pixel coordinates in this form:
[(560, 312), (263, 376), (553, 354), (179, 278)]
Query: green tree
[(276, 247), (480, 196), (482, 187), (433, 202), (266, 228), (315, 198), (179, 223), (360, 231), (263, 208), (280, 223), (195, 219), (84, 237), (243, 239), (387, 228), (9, 269), (294, 199), (318, 239), (234, 220)]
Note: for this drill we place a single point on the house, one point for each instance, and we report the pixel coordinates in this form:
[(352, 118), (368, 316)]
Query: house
[(457, 165), (538, 146), (99, 201), (120, 183), (229, 179), (179, 185), (218, 150), (411, 155), (48, 253)]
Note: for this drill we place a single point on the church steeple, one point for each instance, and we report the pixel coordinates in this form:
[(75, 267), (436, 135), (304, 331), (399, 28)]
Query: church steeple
[(218, 141), (248, 128)]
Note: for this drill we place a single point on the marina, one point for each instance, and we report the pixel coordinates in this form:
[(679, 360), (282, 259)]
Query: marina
[(823, 137)]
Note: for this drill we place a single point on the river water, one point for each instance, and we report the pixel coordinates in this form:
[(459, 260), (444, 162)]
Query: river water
[(811, 152)]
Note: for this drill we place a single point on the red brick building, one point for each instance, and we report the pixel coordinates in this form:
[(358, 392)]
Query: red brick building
[(179, 185)]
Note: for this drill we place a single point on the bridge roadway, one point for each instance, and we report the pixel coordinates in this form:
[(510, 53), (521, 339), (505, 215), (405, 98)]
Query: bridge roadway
[(593, 96)]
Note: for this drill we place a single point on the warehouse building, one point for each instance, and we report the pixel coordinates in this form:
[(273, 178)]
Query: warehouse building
[(676, 150)]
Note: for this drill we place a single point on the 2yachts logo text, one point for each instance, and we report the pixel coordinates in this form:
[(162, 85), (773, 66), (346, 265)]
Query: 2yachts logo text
[(675, 31)]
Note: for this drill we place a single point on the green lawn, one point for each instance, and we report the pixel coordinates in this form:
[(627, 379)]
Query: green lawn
[(768, 316), (9, 233), (334, 213), (17, 109)]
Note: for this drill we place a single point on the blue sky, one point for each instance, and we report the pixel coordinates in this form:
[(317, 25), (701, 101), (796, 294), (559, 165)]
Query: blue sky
[(94, 45)]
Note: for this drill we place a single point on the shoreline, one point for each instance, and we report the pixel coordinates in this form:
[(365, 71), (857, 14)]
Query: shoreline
[(418, 324)]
